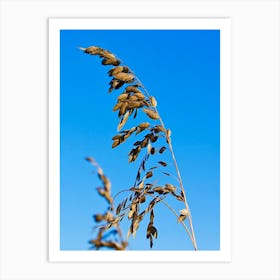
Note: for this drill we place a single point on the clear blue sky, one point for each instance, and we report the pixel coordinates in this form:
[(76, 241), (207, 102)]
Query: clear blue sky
[(182, 70)]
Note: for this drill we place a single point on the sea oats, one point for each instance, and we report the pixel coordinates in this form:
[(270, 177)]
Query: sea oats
[(145, 193)]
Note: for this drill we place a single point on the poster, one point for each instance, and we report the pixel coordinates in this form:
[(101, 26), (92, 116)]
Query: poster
[(144, 103)]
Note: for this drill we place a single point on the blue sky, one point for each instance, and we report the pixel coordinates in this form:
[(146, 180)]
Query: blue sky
[(181, 68)]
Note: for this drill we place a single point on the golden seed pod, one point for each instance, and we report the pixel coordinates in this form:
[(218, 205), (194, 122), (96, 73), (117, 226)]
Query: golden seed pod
[(151, 114), (153, 101), (144, 125), (117, 106), (125, 77), (118, 70), (123, 96), (132, 89), (123, 121), (110, 61), (139, 95)]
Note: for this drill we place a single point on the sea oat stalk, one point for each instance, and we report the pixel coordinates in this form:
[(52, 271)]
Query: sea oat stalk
[(133, 100)]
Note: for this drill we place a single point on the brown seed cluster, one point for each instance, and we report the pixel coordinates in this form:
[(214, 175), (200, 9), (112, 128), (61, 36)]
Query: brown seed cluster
[(145, 193), (107, 218)]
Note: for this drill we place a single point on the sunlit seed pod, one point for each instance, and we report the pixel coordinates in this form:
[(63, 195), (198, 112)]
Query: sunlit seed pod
[(158, 128), (117, 136), (151, 114), (132, 89), (149, 174), (184, 212), (106, 54), (115, 70), (133, 98), (168, 132), (144, 143), (117, 106), (98, 217), (115, 143), (110, 61), (115, 84), (134, 104), (126, 136), (125, 77), (153, 138), (153, 101), (163, 163), (123, 96), (144, 125), (123, 121), (139, 95), (93, 50), (123, 108), (170, 187), (149, 148), (159, 190), (181, 218)]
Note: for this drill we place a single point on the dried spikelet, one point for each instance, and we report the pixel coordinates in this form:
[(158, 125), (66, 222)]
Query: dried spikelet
[(116, 143), (117, 106), (123, 121), (123, 108), (93, 50), (132, 89), (98, 218), (162, 149), (132, 98), (170, 187), (158, 128), (153, 101), (144, 125), (115, 84), (106, 54), (163, 163), (139, 95), (181, 218), (118, 136), (117, 70), (159, 190), (135, 104), (184, 212), (153, 138), (149, 148), (123, 96), (110, 61), (149, 174), (125, 77), (168, 134), (151, 114)]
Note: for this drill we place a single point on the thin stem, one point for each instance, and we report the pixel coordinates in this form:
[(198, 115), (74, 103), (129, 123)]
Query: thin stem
[(174, 212), (94, 163), (177, 170), (168, 206)]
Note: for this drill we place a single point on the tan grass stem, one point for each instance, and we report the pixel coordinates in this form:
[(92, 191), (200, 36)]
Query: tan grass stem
[(177, 170)]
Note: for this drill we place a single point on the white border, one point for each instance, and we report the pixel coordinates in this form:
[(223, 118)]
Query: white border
[(222, 24)]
